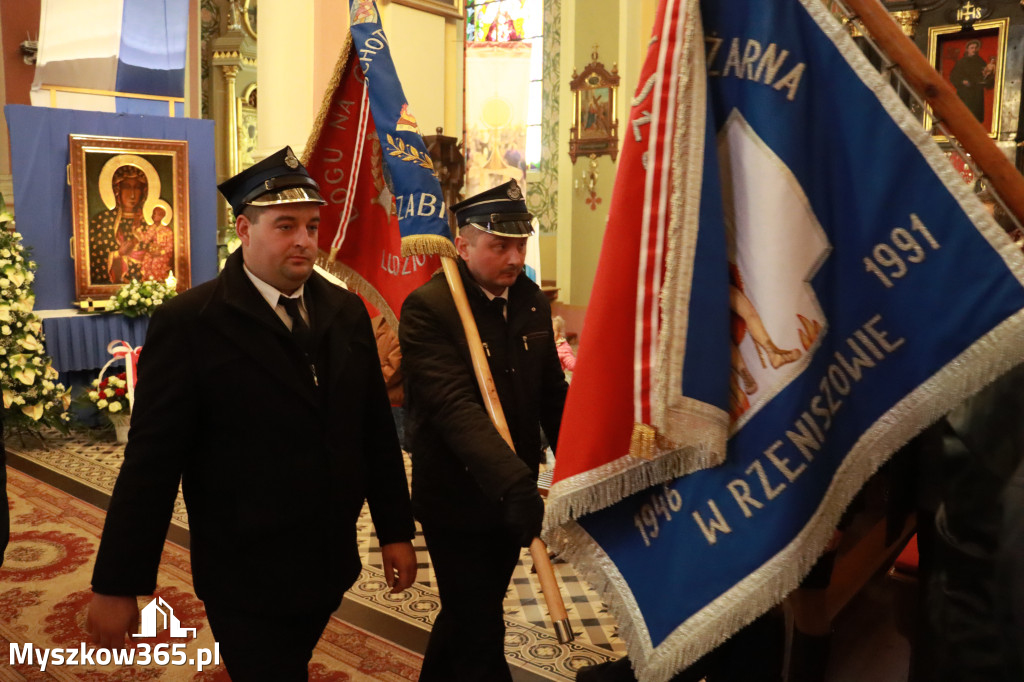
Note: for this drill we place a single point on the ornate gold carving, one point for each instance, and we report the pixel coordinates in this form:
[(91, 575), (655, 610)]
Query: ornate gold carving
[(234, 15), (907, 19), (852, 27), (246, 130), (249, 17), (233, 55)]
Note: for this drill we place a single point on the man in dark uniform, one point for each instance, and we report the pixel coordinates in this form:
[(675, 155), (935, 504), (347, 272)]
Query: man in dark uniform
[(971, 539), (260, 391), (476, 499)]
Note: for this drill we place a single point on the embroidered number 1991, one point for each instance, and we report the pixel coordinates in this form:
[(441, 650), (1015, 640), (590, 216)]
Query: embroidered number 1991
[(887, 264)]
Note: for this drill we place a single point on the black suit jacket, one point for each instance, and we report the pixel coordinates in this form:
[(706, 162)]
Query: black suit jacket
[(273, 466), (461, 465)]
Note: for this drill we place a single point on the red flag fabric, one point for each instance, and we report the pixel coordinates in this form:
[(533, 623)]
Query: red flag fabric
[(617, 434), (359, 238)]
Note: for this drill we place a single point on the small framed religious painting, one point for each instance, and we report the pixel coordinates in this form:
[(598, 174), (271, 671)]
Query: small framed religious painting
[(595, 126), (973, 61)]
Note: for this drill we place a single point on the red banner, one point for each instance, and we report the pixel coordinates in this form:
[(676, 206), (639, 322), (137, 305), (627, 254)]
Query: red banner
[(611, 386), (359, 238)]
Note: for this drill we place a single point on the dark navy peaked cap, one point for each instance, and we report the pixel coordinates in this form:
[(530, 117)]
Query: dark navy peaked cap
[(500, 210), (277, 179)]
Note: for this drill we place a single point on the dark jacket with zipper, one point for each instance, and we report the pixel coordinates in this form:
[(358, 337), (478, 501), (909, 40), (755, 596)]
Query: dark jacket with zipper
[(461, 465), (276, 450)]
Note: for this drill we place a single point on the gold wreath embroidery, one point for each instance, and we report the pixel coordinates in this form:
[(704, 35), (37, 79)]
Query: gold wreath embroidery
[(376, 161), (408, 153)]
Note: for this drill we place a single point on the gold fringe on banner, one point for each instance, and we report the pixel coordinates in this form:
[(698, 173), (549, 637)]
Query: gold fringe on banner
[(428, 245), (325, 106), (333, 256), (641, 443), (604, 486), (357, 284)]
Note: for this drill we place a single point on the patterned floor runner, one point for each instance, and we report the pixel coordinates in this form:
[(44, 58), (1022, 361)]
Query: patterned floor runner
[(44, 589), (529, 642)]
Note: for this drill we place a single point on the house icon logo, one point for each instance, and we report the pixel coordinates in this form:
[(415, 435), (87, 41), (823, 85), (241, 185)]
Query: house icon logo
[(156, 610)]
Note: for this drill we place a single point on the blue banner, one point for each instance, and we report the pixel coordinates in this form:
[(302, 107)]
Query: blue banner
[(870, 293), (418, 201), (151, 60)]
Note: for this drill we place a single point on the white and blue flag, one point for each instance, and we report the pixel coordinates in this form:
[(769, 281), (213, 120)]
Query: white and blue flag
[(101, 55)]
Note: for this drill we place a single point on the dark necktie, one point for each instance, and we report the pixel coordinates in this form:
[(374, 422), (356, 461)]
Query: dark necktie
[(499, 306), (300, 330)]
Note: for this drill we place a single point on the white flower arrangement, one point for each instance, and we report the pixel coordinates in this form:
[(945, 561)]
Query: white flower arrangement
[(30, 393), (110, 394), (141, 298)]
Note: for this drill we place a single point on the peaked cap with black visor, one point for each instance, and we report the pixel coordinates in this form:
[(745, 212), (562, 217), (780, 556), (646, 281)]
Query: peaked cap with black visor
[(500, 211), (277, 179)]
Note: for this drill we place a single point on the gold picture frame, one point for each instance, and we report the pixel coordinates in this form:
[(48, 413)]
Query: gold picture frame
[(130, 212), (977, 75), (447, 8), (595, 125)]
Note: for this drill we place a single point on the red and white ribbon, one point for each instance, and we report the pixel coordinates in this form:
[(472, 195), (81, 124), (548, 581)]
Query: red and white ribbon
[(121, 350)]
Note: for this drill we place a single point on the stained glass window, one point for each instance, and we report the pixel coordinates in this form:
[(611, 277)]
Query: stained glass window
[(502, 21)]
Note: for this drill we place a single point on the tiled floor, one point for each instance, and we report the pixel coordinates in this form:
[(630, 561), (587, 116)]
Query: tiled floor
[(88, 468), (865, 646)]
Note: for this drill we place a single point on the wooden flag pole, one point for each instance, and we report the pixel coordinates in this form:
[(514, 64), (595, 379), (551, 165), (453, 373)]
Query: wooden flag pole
[(946, 105), (539, 552)]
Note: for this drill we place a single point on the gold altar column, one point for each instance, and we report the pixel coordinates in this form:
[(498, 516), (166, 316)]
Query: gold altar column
[(230, 115), (233, 69)]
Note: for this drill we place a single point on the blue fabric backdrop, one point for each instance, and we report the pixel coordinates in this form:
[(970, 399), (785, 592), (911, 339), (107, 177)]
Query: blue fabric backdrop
[(42, 196), (79, 342)]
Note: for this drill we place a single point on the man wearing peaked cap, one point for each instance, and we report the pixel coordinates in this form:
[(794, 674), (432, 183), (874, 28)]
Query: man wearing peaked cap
[(260, 392), (277, 179), (475, 497), (499, 211)]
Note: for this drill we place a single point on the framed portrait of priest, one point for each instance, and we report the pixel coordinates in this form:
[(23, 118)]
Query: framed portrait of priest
[(973, 61), (130, 213)]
